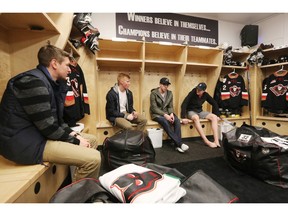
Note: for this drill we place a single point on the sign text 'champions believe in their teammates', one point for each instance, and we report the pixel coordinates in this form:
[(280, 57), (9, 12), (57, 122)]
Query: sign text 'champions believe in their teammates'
[(167, 27)]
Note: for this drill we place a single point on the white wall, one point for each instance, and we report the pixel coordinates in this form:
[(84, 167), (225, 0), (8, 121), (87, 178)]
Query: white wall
[(230, 33), (273, 30), (106, 24)]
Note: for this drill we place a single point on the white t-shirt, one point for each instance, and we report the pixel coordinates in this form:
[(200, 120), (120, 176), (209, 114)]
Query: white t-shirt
[(122, 100)]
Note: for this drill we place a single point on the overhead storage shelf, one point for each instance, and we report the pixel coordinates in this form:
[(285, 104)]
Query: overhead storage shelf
[(27, 21)]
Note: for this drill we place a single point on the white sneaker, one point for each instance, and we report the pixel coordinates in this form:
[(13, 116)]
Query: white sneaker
[(184, 147), (179, 150)]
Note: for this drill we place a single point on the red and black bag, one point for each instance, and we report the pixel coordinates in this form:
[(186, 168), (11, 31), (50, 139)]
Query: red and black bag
[(128, 146)]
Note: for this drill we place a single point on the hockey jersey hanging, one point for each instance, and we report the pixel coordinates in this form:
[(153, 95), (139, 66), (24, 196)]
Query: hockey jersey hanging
[(233, 93), (275, 93), (76, 101)]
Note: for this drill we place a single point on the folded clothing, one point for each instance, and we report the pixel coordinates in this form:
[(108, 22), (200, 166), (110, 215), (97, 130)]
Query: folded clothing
[(131, 183)]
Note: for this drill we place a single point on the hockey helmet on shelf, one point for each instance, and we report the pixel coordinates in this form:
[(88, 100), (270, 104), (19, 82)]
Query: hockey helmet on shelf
[(282, 58), (266, 46), (265, 61), (273, 61)]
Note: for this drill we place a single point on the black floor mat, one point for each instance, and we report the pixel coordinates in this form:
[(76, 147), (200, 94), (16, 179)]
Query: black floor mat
[(247, 188)]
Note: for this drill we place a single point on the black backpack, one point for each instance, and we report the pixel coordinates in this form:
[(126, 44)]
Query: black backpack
[(128, 146)]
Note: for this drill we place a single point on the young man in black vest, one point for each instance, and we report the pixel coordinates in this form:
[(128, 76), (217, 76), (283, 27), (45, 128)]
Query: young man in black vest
[(32, 130)]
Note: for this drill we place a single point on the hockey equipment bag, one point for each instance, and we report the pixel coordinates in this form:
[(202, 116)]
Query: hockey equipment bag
[(201, 188), (86, 190), (258, 152), (128, 146)]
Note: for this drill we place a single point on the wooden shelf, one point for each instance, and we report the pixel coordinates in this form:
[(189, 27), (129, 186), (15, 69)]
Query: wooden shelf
[(164, 53), (120, 50), (200, 51), (240, 55), (200, 66), (275, 53), (269, 118), (233, 67), (228, 68), (27, 21), (275, 49), (70, 46), (274, 65), (156, 63), (238, 118), (203, 55), (114, 62)]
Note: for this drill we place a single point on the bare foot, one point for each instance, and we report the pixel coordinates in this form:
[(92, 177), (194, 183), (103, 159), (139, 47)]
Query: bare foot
[(211, 144)]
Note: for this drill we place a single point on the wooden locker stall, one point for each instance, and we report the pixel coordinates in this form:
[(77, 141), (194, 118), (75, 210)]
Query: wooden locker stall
[(21, 36), (262, 118), (113, 58), (202, 65), (147, 62), (241, 57)]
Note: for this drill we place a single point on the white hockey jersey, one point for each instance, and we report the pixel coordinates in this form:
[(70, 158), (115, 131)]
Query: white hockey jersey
[(131, 183)]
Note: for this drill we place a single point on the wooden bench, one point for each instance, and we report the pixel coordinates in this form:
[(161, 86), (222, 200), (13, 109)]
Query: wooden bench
[(105, 129), (29, 183)]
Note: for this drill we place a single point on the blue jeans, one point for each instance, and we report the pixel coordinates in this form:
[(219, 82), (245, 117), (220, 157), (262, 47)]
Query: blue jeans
[(172, 130)]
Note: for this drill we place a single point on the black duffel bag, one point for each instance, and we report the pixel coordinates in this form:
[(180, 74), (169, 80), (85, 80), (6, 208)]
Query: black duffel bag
[(201, 188), (258, 152), (86, 190), (128, 146)]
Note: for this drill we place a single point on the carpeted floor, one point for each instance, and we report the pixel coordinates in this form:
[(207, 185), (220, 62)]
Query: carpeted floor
[(247, 188), (168, 155), (197, 151)]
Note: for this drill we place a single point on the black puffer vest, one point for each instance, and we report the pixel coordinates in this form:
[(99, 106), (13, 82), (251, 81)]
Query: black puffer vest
[(20, 140)]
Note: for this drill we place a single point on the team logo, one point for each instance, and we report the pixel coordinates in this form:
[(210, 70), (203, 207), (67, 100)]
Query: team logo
[(235, 90), (240, 156), (278, 90), (265, 151), (244, 138), (132, 185)]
